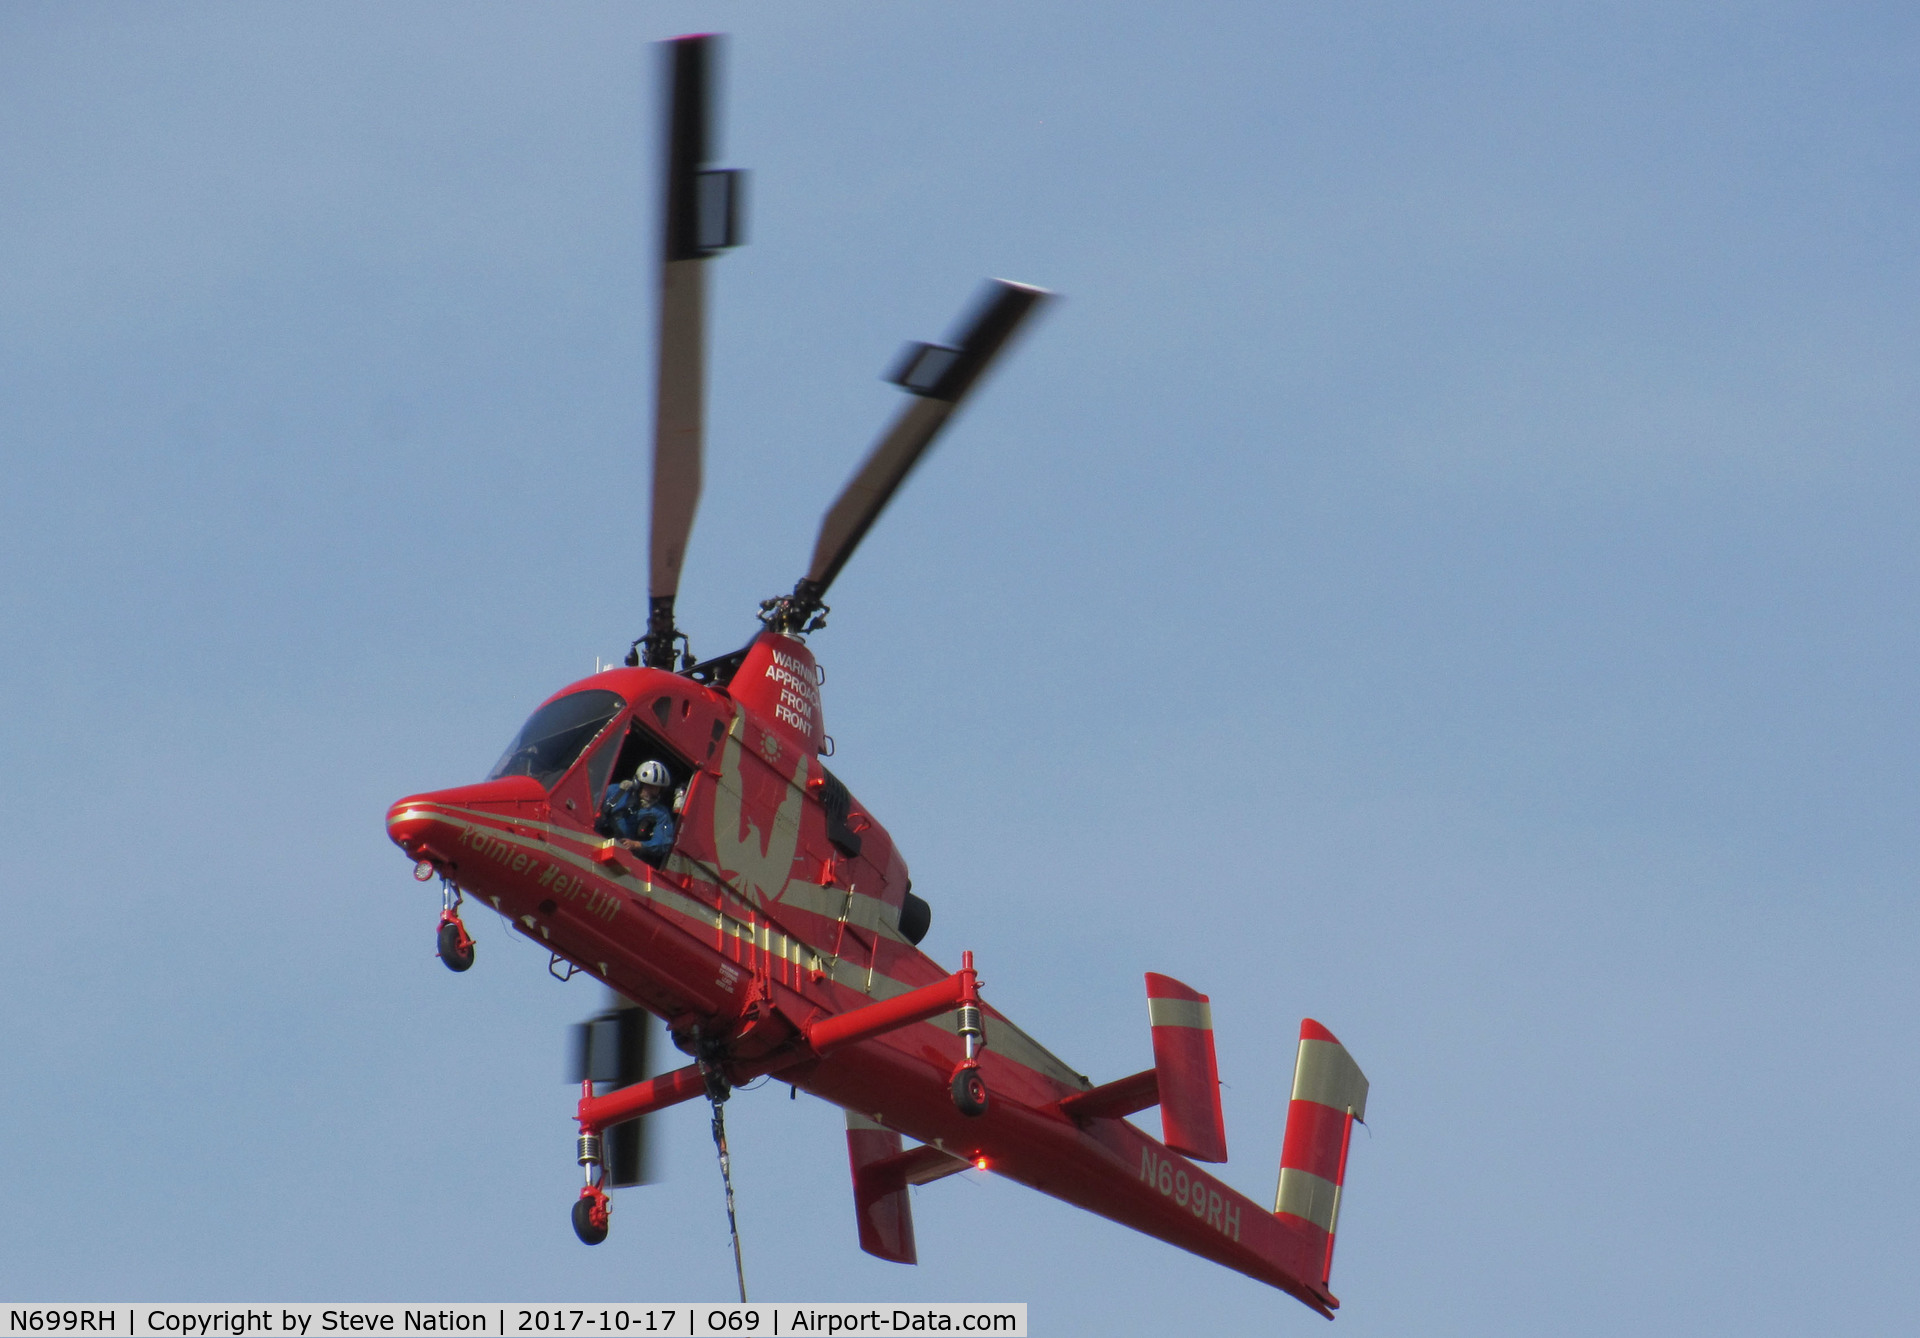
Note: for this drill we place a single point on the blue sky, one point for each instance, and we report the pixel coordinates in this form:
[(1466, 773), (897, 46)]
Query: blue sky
[(1446, 568)]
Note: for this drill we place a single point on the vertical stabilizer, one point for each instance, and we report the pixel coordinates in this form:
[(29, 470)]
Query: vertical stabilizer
[(1189, 1078), (880, 1197), (1329, 1094)]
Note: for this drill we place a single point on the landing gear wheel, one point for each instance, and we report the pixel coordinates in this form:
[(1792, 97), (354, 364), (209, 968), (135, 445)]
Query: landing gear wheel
[(456, 949), (970, 1092), (590, 1219)]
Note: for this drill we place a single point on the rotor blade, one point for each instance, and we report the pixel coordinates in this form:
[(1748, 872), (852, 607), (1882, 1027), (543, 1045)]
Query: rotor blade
[(702, 218), (940, 377), (629, 1153), (611, 1049), (628, 1147)]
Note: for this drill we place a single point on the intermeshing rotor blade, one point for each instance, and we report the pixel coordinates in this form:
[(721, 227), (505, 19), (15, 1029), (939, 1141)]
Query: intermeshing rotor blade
[(611, 1051), (940, 377), (702, 218), (628, 1162)]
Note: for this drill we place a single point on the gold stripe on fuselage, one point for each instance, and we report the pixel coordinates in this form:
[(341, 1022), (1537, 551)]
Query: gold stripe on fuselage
[(1002, 1037)]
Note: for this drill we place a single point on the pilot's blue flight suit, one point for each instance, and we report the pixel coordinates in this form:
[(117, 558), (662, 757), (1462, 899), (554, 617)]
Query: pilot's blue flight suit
[(621, 816)]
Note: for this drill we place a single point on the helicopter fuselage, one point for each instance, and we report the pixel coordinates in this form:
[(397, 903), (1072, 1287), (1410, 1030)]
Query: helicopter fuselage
[(781, 907)]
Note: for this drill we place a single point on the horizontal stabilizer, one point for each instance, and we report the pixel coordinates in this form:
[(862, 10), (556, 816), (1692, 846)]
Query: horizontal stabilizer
[(1115, 1100)]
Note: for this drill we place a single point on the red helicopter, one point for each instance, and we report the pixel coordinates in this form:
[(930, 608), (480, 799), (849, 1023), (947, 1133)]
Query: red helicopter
[(767, 917)]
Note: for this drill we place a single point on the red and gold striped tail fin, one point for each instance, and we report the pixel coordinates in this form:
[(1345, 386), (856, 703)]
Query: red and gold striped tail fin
[(1189, 1078), (1329, 1095)]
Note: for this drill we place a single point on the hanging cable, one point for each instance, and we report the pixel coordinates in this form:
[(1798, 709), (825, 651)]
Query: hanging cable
[(726, 1179)]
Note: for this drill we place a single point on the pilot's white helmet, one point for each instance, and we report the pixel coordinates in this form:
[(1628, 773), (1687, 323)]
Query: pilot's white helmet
[(654, 773)]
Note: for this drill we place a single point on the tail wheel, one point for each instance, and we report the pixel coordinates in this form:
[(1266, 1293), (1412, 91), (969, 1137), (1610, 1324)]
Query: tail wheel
[(456, 949), (970, 1092), (590, 1218)]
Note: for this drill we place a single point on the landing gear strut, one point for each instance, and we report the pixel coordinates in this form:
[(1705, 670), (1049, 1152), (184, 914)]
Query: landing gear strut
[(591, 1208), (455, 944), (969, 1088)]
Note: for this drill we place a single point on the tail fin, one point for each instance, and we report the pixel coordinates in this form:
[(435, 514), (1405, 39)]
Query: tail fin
[(881, 1173), (1189, 1078), (879, 1192), (1329, 1094)]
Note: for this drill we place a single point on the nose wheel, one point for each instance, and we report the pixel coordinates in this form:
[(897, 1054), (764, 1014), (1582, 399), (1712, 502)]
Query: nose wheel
[(455, 943)]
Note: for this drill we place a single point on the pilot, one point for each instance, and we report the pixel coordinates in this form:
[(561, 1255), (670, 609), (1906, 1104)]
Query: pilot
[(635, 815)]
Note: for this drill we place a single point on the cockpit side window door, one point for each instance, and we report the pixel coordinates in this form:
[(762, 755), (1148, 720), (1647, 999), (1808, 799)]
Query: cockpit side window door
[(643, 745), (617, 757), (576, 798), (600, 764)]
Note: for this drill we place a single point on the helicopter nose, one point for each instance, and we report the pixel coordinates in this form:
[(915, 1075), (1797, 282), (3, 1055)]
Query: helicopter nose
[(413, 825), (428, 826)]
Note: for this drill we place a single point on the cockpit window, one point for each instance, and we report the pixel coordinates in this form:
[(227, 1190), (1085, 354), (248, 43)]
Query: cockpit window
[(558, 732)]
